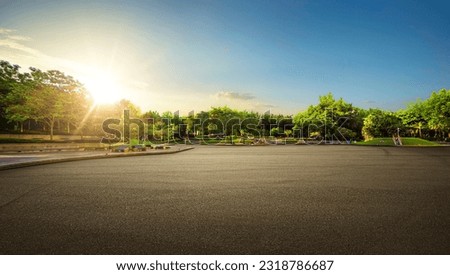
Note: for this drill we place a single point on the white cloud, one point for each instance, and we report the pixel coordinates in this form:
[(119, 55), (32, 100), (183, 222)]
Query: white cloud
[(142, 86), (6, 31), (264, 105), (13, 42), (14, 45), (19, 38), (235, 96)]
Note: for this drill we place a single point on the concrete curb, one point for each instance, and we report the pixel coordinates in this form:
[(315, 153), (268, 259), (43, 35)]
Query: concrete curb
[(108, 155)]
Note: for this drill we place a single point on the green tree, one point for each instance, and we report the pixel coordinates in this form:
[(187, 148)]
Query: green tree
[(53, 96), (331, 119), (437, 109), (229, 120), (125, 104), (16, 109), (274, 132), (13, 94), (381, 124), (78, 108), (414, 117), (46, 105), (430, 117)]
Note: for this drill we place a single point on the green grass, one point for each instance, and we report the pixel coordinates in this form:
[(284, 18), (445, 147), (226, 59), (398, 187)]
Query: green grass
[(405, 141), (377, 141), (19, 140), (418, 142), (134, 141)]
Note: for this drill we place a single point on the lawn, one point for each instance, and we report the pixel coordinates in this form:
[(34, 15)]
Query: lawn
[(19, 140), (418, 142), (405, 141)]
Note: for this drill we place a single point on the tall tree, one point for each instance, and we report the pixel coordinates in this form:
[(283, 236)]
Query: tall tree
[(415, 118), (12, 94), (437, 109), (55, 96), (77, 109), (16, 109), (331, 119), (46, 105), (381, 124)]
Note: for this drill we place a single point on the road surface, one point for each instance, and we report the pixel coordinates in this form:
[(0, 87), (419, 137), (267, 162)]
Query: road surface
[(233, 200)]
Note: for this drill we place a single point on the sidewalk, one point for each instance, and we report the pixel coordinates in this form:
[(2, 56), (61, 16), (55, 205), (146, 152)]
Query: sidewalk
[(17, 160)]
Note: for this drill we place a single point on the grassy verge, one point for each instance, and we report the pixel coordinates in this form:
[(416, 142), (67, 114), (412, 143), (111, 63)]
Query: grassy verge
[(19, 140), (405, 141), (418, 142)]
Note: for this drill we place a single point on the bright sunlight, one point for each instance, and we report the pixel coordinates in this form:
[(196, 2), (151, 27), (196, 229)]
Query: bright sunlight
[(103, 88)]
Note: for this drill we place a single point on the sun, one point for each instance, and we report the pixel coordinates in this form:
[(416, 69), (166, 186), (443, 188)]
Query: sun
[(103, 88)]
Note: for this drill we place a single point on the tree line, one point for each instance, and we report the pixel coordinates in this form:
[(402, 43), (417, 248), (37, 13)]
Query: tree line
[(429, 119), (52, 102)]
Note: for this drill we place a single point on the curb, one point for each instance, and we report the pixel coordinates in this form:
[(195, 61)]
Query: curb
[(119, 155)]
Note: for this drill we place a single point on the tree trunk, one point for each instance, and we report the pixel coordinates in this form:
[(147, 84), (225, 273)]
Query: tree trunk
[(51, 125)]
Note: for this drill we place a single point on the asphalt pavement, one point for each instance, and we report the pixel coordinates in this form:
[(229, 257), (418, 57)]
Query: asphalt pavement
[(233, 200), (10, 160)]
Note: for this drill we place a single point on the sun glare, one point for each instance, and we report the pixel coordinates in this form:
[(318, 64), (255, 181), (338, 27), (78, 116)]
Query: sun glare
[(103, 88)]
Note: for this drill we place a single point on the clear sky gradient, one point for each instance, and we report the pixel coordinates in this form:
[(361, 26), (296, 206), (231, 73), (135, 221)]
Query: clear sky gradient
[(254, 55)]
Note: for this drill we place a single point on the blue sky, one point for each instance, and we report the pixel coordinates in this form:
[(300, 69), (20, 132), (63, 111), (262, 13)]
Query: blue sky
[(254, 55)]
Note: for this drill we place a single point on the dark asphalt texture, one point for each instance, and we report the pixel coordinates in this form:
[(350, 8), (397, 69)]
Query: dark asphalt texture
[(233, 200)]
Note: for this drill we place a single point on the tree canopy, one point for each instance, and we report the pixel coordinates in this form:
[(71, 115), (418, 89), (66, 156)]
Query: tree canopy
[(47, 97), (330, 119), (49, 100)]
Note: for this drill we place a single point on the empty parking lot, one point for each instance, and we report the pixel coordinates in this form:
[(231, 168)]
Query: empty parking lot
[(233, 200)]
